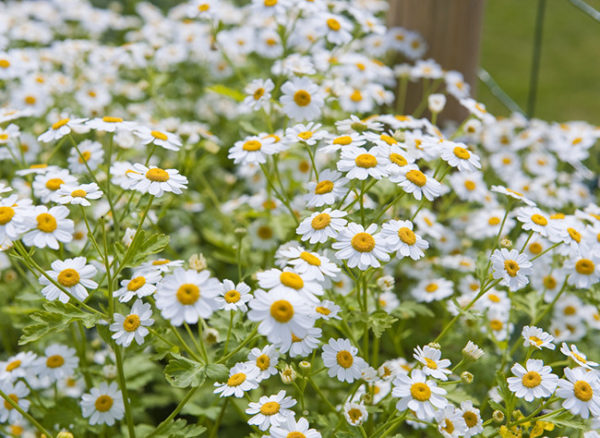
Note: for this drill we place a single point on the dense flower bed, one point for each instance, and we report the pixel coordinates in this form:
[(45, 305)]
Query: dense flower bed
[(219, 220)]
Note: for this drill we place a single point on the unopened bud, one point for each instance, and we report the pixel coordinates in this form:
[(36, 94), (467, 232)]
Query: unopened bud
[(366, 398), (240, 232), (128, 237), (386, 283), (211, 336), (211, 147), (498, 416), (288, 374), (506, 243), (64, 435), (305, 365), (472, 351), (197, 262), (436, 102), (466, 377)]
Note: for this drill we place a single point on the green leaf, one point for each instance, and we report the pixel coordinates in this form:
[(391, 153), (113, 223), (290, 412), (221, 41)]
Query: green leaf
[(176, 429), (184, 373), (55, 317), (144, 246), (217, 372), (380, 321), (481, 267), (411, 309), (246, 126), (528, 303), (226, 91), (566, 419)]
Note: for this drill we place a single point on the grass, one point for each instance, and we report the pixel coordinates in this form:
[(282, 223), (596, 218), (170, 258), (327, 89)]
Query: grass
[(569, 81)]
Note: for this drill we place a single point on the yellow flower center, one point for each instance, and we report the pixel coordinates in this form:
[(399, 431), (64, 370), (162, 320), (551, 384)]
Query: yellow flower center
[(109, 119), (407, 236), (549, 282), (46, 222), (4, 63), (295, 434), (263, 362), (585, 267), (496, 325), (583, 390), (494, 298), (55, 361), (398, 159), (310, 259), (305, 135), (575, 235), (539, 220), (494, 220), (60, 123), (470, 185), (416, 177), (343, 140), (363, 242), (537, 341), (158, 175), (333, 24), (511, 267), (292, 280), (356, 96), (54, 184), (13, 365), (264, 232), (203, 7), (431, 287), (159, 135), (531, 379), (79, 193), (258, 93), (420, 391), (282, 311), (470, 418), (270, 3), (252, 145), (103, 403), (232, 296), (136, 283), (188, 294), (355, 414), (85, 156), (366, 161), (535, 248), (270, 408), (131, 323), (344, 359), (388, 139), (320, 221), (448, 426), (302, 97), (68, 277), (6, 215), (236, 380), (14, 398), (569, 310), (30, 100), (431, 364), (461, 153), (323, 310), (323, 187)]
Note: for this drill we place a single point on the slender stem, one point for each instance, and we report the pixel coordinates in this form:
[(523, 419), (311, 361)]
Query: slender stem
[(228, 331), (32, 420), (123, 386), (185, 345), (215, 429), (249, 338), (176, 411), (197, 343)]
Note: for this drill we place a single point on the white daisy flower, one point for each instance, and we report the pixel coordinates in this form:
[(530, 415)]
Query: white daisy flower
[(110, 124), (13, 217), (457, 155), (412, 180), (536, 337), (512, 267), (402, 240), (342, 360), (78, 194), (292, 428), (321, 226), (242, 378), (265, 360), (103, 405), (270, 411), (328, 310), (258, 94), (310, 265), (580, 391), (309, 133), (420, 395), (451, 423), (74, 275), (355, 413), (535, 380), (132, 326), (512, 194), (156, 181), (336, 28), (61, 128), (330, 188), (87, 154), (397, 158), (234, 297), (46, 185), (302, 99), (429, 290), (18, 366), (432, 363), (584, 271), (159, 265), (15, 391), (359, 164), (57, 363), (141, 284), (336, 143), (577, 356), (187, 295), (388, 301), (361, 248), (289, 281), (163, 139), (472, 418), (252, 150), (533, 218), (303, 346), (281, 314)]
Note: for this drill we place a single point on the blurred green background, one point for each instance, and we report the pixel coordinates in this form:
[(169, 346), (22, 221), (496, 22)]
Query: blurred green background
[(569, 80)]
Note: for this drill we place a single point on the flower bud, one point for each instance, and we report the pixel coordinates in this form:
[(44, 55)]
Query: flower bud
[(466, 377), (64, 434), (288, 374), (210, 336), (471, 351), (109, 371), (386, 283), (197, 262), (506, 243), (128, 237), (305, 366), (436, 102), (498, 416)]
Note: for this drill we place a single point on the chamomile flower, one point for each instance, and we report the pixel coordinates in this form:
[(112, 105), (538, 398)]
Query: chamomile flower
[(290, 282), (234, 297), (110, 124), (303, 346), (16, 392), (270, 411), (342, 360), (292, 428), (457, 155), (265, 360), (583, 271), (537, 338), (451, 423), (358, 163), (163, 139), (328, 310), (535, 380), (78, 194), (336, 28), (156, 181), (580, 391), (13, 214), (242, 378), (512, 194), (258, 94), (187, 295), (330, 188), (142, 283), (361, 247), (535, 219), (472, 418), (321, 226), (132, 326), (412, 180), (512, 267), (18, 366), (403, 240), (60, 128), (252, 150), (103, 404), (433, 365), (310, 265), (281, 314), (308, 134), (73, 275), (341, 142), (302, 99), (87, 154), (430, 290), (355, 413), (580, 358), (46, 185), (420, 395), (57, 363)]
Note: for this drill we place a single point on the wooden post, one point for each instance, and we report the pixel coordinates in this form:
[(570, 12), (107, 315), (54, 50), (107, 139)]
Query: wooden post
[(452, 29)]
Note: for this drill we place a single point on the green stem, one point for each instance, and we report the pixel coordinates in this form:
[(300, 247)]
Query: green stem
[(172, 415), (32, 420), (123, 386)]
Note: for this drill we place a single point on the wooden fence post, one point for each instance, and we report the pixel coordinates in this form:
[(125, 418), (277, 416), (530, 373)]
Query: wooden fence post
[(452, 29)]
